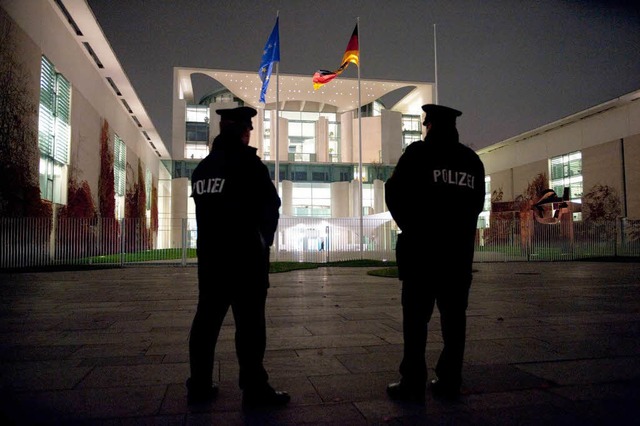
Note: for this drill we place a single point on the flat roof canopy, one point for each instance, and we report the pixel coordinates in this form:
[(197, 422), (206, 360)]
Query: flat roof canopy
[(297, 93)]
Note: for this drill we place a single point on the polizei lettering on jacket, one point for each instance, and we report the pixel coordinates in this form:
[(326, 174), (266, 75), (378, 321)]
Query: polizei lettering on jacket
[(208, 186), (454, 177)]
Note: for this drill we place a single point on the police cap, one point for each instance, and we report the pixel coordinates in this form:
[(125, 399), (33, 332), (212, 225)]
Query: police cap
[(240, 115), (439, 113)]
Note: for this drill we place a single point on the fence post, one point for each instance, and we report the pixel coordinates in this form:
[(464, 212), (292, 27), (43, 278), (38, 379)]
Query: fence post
[(326, 243), (619, 235), (123, 233), (184, 242), (53, 235)]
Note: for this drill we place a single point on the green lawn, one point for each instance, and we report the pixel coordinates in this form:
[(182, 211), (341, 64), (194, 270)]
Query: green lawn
[(387, 269), (140, 256)]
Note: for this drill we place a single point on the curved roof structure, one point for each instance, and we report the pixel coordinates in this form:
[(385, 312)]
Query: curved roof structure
[(296, 91)]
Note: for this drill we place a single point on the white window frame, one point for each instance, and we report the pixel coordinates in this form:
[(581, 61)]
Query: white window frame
[(54, 132), (119, 174)]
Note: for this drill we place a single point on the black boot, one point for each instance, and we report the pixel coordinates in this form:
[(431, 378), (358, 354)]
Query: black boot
[(402, 391), (264, 396), (445, 390), (200, 393)]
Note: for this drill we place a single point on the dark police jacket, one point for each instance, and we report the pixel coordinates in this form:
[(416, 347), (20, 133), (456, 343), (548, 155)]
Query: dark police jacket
[(236, 211), (435, 195)]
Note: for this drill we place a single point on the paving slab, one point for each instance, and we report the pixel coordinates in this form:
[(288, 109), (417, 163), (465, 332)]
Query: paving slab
[(548, 343)]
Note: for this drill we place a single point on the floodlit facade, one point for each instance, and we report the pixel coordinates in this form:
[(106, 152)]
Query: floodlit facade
[(78, 88), (597, 146), (332, 161), (329, 150)]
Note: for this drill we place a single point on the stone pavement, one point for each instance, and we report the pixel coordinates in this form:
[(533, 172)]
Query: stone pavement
[(548, 343)]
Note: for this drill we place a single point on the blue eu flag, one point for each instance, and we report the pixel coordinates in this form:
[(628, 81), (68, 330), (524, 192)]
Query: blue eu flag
[(270, 55)]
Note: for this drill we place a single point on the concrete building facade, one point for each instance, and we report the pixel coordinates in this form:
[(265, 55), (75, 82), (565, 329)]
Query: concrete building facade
[(329, 151), (66, 36), (605, 138)]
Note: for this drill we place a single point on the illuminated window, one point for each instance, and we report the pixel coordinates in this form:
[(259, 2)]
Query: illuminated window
[(487, 194), (411, 129), (483, 218), (334, 140), (119, 174), (374, 109), (197, 131), (54, 132), (565, 171), (311, 199), (147, 187), (367, 199), (266, 136)]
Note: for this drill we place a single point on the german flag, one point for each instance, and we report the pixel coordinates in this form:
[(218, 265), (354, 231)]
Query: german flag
[(351, 55)]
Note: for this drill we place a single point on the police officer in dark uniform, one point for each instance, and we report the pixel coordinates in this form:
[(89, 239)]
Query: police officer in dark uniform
[(435, 195), (237, 216)]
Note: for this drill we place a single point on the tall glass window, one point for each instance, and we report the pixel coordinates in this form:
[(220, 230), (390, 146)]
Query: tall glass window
[(148, 191), (147, 188), (565, 171), (311, 199), (334, 140), (197, 128), (54, 132), (119, 174), (374, 109), (365, 173), (367, 199), (302, 135), (266, 136), (411, 129), (483, 219)]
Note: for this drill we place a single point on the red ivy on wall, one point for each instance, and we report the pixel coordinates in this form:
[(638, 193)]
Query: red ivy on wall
[(154, 209), (135, 208), (19, 154), (79, 202), (76, 232), (106, 183), (136, 198), (110, 229)]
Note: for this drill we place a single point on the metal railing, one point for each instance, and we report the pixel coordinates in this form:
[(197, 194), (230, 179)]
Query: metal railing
[(35, 242)]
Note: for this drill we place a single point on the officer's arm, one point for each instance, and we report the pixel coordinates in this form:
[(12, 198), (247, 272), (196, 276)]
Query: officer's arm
[(270, 204), (396, 192)]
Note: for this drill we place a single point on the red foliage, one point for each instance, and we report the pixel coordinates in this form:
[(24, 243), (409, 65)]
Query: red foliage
[(110, 228), (79, 202), (154, 209), (138, 236), (106, 182)]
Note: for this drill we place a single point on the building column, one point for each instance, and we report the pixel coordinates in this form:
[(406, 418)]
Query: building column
[(272, 135), (354, 189), (346, 137), (179, 197), (391, 143), (287, 198), (283, 139), (379, 205), (340, 199), (257, 134), (322, 140)]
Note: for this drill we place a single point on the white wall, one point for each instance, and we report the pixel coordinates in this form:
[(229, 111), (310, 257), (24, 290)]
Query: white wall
[(92, 99), (608, 136)]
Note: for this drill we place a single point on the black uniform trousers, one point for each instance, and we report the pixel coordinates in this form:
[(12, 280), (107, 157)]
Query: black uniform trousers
[(419, 296), (247, 300)]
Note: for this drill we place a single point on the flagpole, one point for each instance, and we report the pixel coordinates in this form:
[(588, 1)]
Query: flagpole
[(435, 63), (277, 135), (360, 140)]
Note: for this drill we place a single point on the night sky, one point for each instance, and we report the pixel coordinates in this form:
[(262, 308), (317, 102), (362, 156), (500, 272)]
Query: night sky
[(510, 66)]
